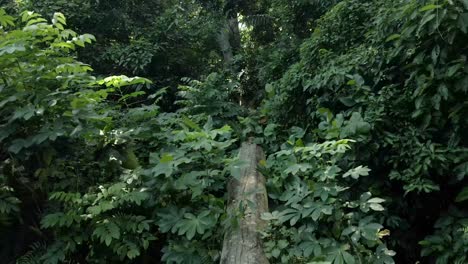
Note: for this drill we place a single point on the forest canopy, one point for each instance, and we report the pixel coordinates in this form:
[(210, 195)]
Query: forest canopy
[(121, 123)]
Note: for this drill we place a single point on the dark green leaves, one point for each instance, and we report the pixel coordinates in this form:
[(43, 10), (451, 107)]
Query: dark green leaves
[(355, 173), (9, 204), (461, 170), (192, 224), (356, 125), (6, 20), (106, 232), (310, 194), (60, 220), (295, 168), (429, 7), (462, 195), (186, 224), (169, 218), (340, 255), (347, 101)]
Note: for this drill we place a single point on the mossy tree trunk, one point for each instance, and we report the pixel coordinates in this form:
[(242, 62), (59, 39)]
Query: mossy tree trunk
[(243, 244)]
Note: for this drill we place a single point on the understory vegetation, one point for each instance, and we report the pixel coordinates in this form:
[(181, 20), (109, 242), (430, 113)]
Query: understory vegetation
[(121, 121)]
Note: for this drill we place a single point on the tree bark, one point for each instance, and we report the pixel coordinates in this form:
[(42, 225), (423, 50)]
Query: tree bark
[(243, 245), (229, 41), (224, 43)]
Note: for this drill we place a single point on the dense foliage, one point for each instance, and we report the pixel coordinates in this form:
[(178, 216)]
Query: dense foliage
[(359, 105), (400, 85)]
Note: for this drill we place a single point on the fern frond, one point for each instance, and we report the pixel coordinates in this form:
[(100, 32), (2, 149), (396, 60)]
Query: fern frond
[(33, 255), (257, 20)]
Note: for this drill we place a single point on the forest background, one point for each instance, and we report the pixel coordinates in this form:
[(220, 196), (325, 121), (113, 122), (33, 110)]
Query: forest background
[(360, 106)]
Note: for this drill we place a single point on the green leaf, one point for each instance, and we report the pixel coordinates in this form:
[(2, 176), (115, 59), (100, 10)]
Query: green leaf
[(463, 22), (462, 195), (376, 200), (392, 37), (169, 218), (454, 69), (282, 244), (461, 171), (270, 129), (6, 20), (192, 224), (347, 101), (166, 158), (348, 258), (17, 145), (187, 121), (376, 207), (275, 253), (425, 20), (295, 168), (356, 125), (355, 173), (106, 232), (429, 7), (133, 253), (10, 49), (293, 215), (59, 17), (35, 21)]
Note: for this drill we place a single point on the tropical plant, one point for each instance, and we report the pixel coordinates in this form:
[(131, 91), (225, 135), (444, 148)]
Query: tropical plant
[(359, 107)]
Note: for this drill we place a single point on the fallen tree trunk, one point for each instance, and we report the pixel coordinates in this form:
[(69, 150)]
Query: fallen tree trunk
[(243, 245)]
